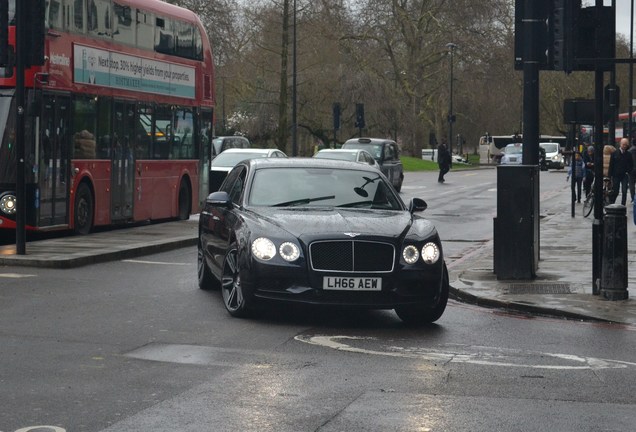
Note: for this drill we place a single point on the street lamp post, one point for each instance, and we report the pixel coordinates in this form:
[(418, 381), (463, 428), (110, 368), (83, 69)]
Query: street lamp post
[(451, 117)]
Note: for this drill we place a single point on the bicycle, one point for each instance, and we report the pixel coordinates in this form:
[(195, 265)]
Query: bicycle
[(588, 204)]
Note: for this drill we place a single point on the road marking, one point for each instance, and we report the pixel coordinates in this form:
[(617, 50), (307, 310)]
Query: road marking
[(479, 355), (15, 275), (155, 262)]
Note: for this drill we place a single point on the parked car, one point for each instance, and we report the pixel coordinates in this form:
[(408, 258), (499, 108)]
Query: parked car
[(317, 231), (222, 143), (512, 154), (387, 155), (354, 155), (223, 163), (553, 156)]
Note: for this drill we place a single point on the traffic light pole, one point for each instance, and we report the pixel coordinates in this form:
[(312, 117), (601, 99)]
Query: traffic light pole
[(20, 193)]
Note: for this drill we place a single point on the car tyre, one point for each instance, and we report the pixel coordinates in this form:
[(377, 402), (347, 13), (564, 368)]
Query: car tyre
[(429, 312), (232, 288), (83, 212), (205, 278)]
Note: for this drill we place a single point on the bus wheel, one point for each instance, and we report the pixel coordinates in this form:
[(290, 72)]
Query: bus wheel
[(83, 210), (184, 201)]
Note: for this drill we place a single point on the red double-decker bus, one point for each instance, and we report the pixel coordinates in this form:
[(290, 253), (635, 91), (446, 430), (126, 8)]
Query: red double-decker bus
[(119, 117)]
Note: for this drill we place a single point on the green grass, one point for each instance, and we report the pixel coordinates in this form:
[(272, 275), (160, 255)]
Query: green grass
[(417, 164)]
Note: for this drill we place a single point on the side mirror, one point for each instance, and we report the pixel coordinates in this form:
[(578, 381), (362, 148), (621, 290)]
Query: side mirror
[(218, 199), (417, 205)]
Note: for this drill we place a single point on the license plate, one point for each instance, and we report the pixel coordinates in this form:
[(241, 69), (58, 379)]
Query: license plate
[(351, 283)]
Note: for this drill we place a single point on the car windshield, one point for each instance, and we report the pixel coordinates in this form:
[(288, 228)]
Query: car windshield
[(514, 149), (229, 159), (350, 156), (320, 187), (550, 147)]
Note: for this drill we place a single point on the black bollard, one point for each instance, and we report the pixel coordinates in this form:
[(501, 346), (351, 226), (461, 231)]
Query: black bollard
[(614, 263)]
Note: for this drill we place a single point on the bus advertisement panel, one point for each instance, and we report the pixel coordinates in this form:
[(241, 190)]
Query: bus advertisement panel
[(119, 118)]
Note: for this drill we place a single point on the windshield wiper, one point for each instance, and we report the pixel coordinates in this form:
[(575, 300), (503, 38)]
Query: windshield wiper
[(303, 201)]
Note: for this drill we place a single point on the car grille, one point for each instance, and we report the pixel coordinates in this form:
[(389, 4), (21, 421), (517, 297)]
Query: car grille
[(352, 256)]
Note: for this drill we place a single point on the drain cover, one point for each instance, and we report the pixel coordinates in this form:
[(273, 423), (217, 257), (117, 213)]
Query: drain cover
[(539, 288)]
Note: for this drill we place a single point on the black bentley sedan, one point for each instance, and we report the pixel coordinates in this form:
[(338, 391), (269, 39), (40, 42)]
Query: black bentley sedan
[(319, 231)]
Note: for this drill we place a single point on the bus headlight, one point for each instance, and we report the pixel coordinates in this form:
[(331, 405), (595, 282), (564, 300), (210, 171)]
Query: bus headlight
[(8, 203)]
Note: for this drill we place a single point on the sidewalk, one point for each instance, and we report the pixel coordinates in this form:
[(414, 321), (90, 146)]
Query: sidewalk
[(563, 286)]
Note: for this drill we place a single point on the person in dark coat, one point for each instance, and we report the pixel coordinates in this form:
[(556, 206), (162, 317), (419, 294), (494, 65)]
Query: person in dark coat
[(632, 175), (444, 161), (588, 160), (620, 167)]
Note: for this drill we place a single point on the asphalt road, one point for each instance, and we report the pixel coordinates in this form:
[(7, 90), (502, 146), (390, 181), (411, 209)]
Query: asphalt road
[(134, 345)]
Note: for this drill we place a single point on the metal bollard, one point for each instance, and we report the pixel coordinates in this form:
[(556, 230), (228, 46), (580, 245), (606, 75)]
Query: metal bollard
[(614, 263)]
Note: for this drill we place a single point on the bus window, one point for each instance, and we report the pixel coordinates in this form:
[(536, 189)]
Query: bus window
[(164, 36), (123, 30), (78, 15), (54, 15), (145, 30), (183, 147), (143, 131), (99, 17), (84, 126), (104, 137), (162, 133)]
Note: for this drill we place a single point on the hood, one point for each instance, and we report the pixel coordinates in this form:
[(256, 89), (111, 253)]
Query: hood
[(312, 222)]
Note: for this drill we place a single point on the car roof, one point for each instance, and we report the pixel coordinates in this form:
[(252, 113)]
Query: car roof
[(342, 150), (248, 150), (308, 162), (369, 141)]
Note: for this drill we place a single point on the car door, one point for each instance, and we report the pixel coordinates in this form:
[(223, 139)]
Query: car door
[(388, 161)]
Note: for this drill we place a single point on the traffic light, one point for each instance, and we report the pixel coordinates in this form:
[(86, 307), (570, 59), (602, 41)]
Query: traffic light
[(360, 116), (4, 33), (336, 116), (35, 33), (563, 32)]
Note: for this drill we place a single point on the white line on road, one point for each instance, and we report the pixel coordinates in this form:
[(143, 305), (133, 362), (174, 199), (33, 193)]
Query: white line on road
[(155, 262), (15, 275), (485, 356)]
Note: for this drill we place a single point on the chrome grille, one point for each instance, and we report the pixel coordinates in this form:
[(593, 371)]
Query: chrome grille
[(352, 256)]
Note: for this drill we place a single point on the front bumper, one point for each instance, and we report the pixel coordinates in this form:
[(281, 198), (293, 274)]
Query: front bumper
[(417, 284)]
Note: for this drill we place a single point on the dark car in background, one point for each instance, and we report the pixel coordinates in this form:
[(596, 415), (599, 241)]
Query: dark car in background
[(387, 155), (222, 143), (223, 163), (320, 232)]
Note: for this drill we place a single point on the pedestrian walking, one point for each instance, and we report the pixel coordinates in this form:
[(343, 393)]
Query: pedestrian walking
[(588, 160), (444, 160), (632, 174), (620, 167), (577, 170)]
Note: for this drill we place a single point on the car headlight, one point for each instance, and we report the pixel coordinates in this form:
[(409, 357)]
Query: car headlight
[(8, 203), (410, 254), (430, 253), (263, 248), (289, 251)]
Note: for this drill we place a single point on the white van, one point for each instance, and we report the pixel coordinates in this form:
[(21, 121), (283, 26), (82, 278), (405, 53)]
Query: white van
[(553, 155)]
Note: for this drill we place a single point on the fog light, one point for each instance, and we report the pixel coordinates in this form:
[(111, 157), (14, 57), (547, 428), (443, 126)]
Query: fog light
[(289, 251), (410, 254)]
